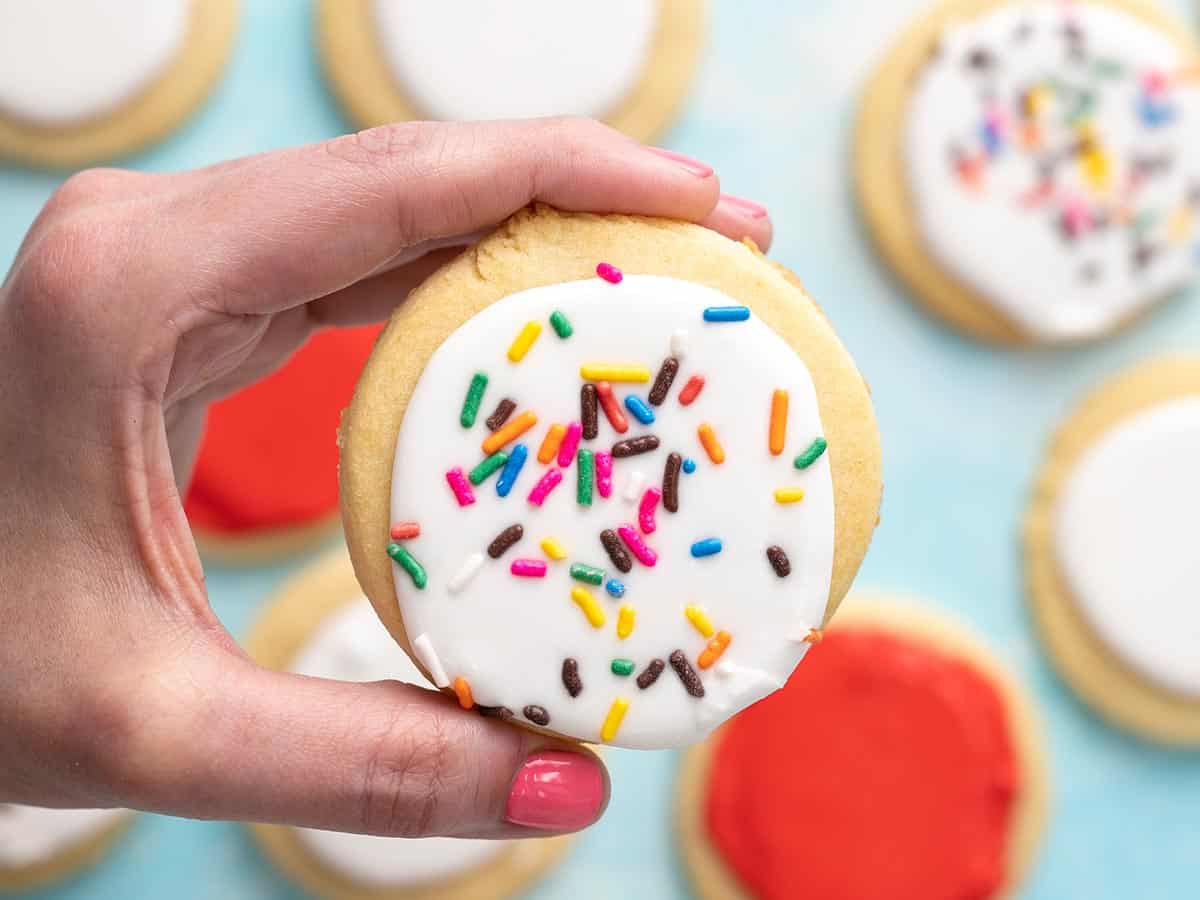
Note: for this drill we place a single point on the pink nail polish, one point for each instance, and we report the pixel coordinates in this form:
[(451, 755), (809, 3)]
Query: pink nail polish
[(697, 168), (744, 206), (556, 791)]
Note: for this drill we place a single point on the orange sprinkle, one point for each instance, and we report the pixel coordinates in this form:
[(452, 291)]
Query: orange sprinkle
[(814, 636), (779, 413), (462, 690), (554, 437), (714, 650), (708, 438), (512, 430)]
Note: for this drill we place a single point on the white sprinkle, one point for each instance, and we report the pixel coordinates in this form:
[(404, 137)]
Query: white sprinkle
[(463, 576), (428, 657), (679, 343), (633, 487)]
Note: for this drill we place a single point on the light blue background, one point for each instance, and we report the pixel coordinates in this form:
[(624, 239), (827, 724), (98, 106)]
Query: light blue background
[(963, 428)]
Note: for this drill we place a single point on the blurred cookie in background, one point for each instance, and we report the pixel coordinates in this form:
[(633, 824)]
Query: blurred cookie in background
[(1032, 170), (901, 761), (320, 625), (265, 481), (39, 846), (628, 62), (87, 80), (1111, 550)]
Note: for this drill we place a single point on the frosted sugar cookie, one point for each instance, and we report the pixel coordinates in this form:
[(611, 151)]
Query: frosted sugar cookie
[(321, 625), (87, 80), (1111, 551), (38, 846), (1030, 169), (627, 62), (901, 761), (605, 475)]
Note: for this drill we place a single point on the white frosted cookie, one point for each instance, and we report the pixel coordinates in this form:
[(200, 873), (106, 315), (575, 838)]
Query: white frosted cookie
[(586, 445), (38, 845), (1030, 168), (321, 626), (82, 80), (625, 61), (1111, 553)]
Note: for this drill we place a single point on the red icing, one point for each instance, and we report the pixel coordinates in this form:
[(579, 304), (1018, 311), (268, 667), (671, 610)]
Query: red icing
[(883, 770), (269, 455)]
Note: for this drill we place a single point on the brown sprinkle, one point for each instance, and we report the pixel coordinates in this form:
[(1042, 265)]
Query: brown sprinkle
[(504, 540), (495, 712), (683, 668), (650, 673), (779, 561), (616, 550), (570, 677), (537, 715), (634, 446), (589, 413), (670, 488), (664, 380), (504, 409)]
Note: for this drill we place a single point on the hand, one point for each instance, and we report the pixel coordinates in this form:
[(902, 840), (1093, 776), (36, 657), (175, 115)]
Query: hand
[(134, 302)]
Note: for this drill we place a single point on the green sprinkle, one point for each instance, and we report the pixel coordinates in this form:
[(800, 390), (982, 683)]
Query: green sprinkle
[(409, 564), (481, 472), (585, 466), (474, 397), (622, 667), (590, 574), (812, 454), (561, 325), (1108, 68)]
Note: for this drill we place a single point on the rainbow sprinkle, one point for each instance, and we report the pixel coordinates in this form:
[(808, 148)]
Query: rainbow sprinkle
[(524, 340), (625, 620), (512, 469), (458, 483), (622, 667), (470, 407), (588, 574), (614, 372), (609, 273), (612, 721), (726, 314), (466, 573), (561, 324), (785, 495), (551, 442), (706, 547), (713, 651), (570, 443), (403, 531), (554, 549), (592, 610), (545, 485), (811, 454), (689, 465), (509, 433), (612, 409), (409, 564), (646, 510), (637, 546), (615, 588), (699, 620), (487, 468), (691, 390), (584, 471), (712, 446), (777, 434), (462, 690), (604, 466), (528, 568), (639, 409)]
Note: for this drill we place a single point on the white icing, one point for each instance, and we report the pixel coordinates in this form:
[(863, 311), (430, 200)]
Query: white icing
[(1013, 255), (63, 61), (1125, 541), (31, 835), (462, 59), (508, 636), (352, 645)]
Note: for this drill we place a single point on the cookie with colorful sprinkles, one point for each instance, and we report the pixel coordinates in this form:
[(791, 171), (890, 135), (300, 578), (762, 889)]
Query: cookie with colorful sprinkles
[(1029, 169), (928, 781), (630, 571)]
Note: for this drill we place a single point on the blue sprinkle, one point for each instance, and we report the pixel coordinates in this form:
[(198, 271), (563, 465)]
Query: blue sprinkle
[(706, 547), (992, 142), (689, 465), (512, 468), (637, 406), (1154, 114), (614, 587), (726, 314)]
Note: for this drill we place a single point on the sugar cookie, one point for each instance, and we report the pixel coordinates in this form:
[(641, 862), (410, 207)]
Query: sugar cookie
[(87, 80), (1028, 168), (1111, 551), (320, 625), (901, 761), (38, 846), (569, 567), (628, 62)]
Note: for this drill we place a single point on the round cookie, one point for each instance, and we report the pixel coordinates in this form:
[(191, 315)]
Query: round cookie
[(560, 589), (320, 625), (928, 779), (88, 80), (628, 62), (265, 485), (1026, 168), (1110, 553), (39, 846)]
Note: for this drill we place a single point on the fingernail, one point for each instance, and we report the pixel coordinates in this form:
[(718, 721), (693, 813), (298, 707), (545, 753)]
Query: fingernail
[(697, 168), (744, 206), (556, 791)]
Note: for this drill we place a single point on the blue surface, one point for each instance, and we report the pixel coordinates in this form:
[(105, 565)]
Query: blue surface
[(963, 428)]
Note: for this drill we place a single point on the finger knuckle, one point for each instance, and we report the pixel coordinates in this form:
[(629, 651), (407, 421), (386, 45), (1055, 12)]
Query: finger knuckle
[(84, 188), (402, 141)]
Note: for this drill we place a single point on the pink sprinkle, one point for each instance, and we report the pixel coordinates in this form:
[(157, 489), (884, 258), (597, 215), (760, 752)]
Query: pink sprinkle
[(1154, 81), (637, 546), (542, 489), (604, 474), (570, 443), (997, 119), (1076, 218), (646, 510), (609, 273), (458, 483), (402, 531), (528, 568)]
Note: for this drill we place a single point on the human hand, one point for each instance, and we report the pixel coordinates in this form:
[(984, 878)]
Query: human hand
[(134, 302)]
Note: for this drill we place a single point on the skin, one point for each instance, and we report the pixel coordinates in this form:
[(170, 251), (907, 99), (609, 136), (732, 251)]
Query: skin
[(134, 302)]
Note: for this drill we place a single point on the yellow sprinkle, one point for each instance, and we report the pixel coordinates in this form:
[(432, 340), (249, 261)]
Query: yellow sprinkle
[(1036, 101), (696, 616), (524, 340), (554, 549), (625, 621), (612, 722), (1180, 225), (613, 372), (1096, 168), (789, 495), (593, 610)]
